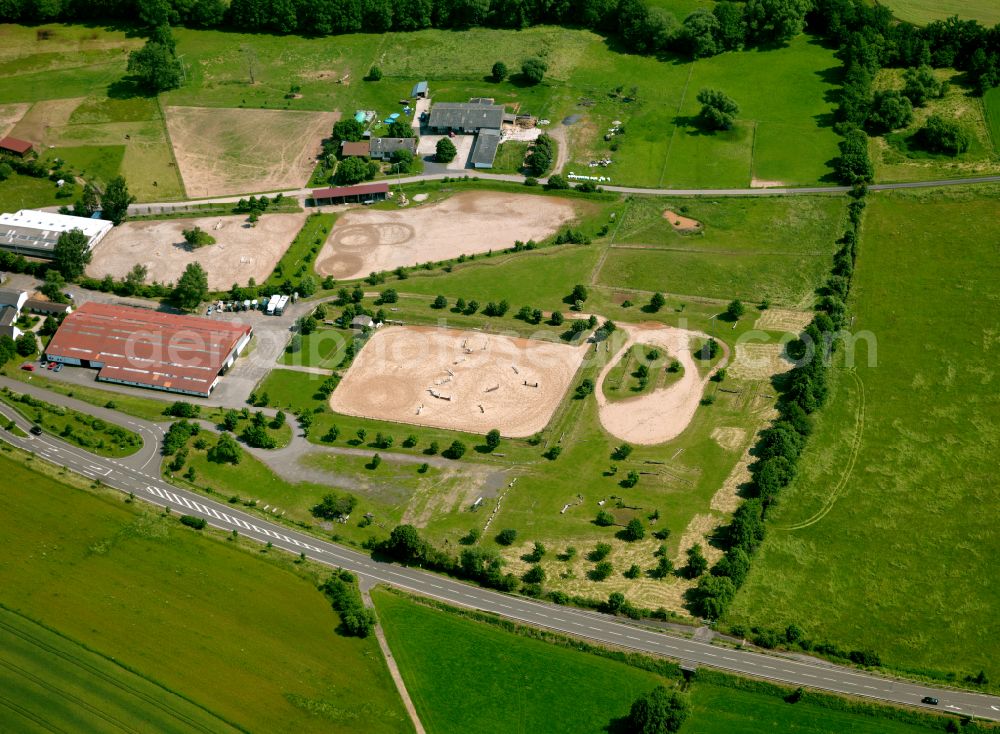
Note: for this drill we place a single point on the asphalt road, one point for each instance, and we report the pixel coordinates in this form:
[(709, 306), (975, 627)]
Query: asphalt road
[(138, 474), (141, 209)]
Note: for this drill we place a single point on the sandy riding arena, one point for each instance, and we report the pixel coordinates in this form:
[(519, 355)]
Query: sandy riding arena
[(460, 380), (664, 413), (365, 241), (240, 252), (236, 151), (682, 224)]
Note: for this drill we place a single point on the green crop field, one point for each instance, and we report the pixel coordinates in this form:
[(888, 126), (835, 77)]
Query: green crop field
[(513, 683), (884, 540), (50, 681), (747, 248), (152, 597), (925, 11)]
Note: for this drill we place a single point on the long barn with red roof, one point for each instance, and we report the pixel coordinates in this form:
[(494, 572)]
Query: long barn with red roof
[(134, 346)]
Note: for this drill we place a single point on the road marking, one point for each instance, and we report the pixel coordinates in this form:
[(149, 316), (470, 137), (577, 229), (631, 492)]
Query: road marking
[(808, 675), (616, 634), (632, 638)]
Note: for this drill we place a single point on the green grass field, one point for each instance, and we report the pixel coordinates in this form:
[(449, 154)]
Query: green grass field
[(465, 676), (323, 348), (511, 683), (884, 540), (748, 248), (924, 11), (50, 681), (722, 710), (663, 146), (162, 601), (623, 380)]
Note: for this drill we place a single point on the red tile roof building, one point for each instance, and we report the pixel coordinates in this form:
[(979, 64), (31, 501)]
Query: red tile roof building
[(14, 145), (348, 194), (134, 346)]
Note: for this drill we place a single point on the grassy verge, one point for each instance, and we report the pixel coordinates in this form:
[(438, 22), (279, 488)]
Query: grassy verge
[(296, 262), (189, 593), (81, 430)]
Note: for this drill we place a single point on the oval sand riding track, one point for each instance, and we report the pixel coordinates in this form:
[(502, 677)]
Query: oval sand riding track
[(662, 414), (373, 240)]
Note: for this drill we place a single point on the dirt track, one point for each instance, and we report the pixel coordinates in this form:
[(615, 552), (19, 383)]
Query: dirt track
[(662, 414), (367, 240), (240, 252), (235, 151), (459, 380)]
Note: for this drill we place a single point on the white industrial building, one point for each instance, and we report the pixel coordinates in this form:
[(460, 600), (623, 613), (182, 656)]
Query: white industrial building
[(34, 233)]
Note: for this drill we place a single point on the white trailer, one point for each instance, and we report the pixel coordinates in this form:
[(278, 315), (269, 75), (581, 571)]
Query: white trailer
[(272, 304)]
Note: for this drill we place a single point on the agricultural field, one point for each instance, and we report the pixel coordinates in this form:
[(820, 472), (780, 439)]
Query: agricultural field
[(200, 598), (896, 156), (880, 542), (49, 680), (775, 248), (576, 691), (237, 151), (924, 11)]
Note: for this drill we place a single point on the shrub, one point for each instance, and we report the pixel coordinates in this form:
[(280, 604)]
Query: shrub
[(445, 151), (604, 519), (499, 71), (198, 523), (533, 70), (941, 135), (506, 536), (634, 530), (455, 451), (225, 451), (374, 74), (601, 571)]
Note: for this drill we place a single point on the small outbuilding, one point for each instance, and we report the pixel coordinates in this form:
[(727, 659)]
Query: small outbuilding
[(362, 322), (15, 146), (420, 90), (47, 308), (485, 149)]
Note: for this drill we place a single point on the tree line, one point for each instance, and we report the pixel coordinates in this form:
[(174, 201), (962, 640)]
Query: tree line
[(869, 30)]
